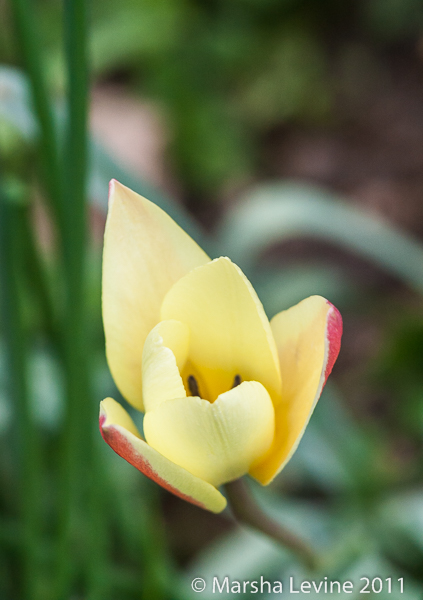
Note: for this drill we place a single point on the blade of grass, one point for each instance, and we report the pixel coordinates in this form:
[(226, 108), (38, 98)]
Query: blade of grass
[(143, 535), (25, 25), (98, 586), (26, 434), (79, 450)]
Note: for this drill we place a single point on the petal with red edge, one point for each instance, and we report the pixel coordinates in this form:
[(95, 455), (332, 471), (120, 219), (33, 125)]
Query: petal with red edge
[(120, 432), (308, 338)]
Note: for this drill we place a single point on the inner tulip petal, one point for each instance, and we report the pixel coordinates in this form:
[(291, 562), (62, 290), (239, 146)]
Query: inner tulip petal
[(230, 334), (165, 354), (216, 442)]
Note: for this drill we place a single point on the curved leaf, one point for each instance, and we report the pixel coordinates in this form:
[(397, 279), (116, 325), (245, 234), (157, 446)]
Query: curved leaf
[(275, 213)]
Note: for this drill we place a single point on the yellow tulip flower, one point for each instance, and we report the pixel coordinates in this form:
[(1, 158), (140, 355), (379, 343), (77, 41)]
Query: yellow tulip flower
[(224, 391)]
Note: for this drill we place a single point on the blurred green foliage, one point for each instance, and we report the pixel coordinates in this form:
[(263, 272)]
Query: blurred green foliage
[(225, 74)]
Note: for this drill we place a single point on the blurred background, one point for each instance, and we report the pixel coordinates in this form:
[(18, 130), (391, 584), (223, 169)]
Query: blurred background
[(286, 134)]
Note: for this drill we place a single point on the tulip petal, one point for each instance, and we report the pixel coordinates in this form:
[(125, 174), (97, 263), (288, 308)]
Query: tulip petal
[(216, 442), (229, 332), (120, 432), (164, 356), (308, 338), (145, 253)]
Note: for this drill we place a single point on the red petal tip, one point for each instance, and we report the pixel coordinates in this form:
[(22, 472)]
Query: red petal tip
[(334, 334)]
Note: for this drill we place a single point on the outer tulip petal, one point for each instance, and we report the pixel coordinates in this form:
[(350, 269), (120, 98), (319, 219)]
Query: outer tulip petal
[(145, 253), (308, 337), (217, 442), (229, 332), (164, 355), (119, 431)]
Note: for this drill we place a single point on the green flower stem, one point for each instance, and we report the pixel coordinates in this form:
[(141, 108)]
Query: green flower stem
[(74, 243), (11, 266), (66, 175), (25, 26), (247, 511), (80, 474)]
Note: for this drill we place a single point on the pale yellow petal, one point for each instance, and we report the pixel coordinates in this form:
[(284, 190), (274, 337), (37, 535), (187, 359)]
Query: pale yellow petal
[(308, 338), (229, 332), (145, 253), (119, 431), (164, 355), (216, 442)]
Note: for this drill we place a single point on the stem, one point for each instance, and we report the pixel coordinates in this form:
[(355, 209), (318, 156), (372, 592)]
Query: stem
[(29, 48), (98, 525), (155, 562), (26, 434), (79, 450), (247, 511), (143, 536), (65, 180)]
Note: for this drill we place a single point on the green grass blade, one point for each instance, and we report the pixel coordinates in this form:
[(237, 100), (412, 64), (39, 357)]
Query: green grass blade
[(77, 450), (28, 449), (25, 26)]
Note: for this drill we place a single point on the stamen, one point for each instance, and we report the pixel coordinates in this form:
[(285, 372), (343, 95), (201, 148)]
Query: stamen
[(237, 381), (193, 386)]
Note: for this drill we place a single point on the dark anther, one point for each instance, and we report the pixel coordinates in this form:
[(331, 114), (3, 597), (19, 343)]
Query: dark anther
[(237, 381), (193, 386)]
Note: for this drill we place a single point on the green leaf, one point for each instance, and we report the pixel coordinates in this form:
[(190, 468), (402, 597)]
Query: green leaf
[(280, 288), (373, 566), (401, 525), (273, 214), (335, 451)]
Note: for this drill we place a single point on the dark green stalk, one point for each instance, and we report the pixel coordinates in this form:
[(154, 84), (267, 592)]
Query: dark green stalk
[(155, 562), (79, 451), (247, 511), (143, 535), (26, 434), (30, 52), (65, 180), (98, 525)]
